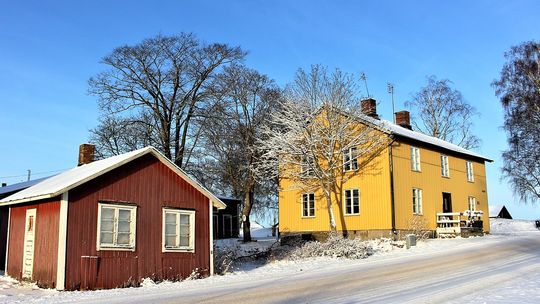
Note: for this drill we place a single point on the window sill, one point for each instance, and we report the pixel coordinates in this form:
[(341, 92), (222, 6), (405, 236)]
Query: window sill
[(115, 249), (447, 177), (308, 217), (418, 214), (352, 214), (178, 250), (419, 171), (472, 182)]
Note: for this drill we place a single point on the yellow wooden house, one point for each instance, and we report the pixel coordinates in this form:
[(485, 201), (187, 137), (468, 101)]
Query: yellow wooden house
[(417, 182)]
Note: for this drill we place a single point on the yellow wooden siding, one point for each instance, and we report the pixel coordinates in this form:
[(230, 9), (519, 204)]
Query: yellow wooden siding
[(375, 211), (433, 184)]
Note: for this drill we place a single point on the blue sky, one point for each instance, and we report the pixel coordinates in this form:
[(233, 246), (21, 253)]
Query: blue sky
[(49, 50)]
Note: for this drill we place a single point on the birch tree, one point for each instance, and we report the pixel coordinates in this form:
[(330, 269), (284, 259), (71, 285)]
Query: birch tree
[(318, 119), (442, 112), (158, 85), (519, 91)]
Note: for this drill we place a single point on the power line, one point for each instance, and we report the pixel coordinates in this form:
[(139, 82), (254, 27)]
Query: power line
[(34, 173)]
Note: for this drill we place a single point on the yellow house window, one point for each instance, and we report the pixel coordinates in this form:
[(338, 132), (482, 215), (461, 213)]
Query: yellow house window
[(415, 159), (445, 168), (470, 173), (308, 205), (472, 203), (352, 202), (417, 201), (350, 160)]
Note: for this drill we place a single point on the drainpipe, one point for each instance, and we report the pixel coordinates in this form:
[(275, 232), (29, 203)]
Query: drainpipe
[(392, 199)]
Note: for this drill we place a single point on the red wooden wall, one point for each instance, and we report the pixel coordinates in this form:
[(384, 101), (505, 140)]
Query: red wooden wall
[(46, 241), (150, 185)]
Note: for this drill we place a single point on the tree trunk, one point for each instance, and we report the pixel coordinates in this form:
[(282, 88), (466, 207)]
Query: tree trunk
[(333, 227), (248, 204)]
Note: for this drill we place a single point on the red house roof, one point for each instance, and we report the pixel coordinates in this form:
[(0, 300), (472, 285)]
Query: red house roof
[(58, 184)]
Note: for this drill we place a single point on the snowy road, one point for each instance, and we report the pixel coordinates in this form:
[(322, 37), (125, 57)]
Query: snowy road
[(493, 269), (452, 276)]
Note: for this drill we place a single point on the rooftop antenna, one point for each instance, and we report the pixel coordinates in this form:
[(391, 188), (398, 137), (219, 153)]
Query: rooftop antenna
[(364, 78), (391, 92)]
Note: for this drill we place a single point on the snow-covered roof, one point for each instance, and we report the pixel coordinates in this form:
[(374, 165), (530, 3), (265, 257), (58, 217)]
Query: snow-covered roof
[(21, 185), (495, 210), (395, 129), (58, 184)]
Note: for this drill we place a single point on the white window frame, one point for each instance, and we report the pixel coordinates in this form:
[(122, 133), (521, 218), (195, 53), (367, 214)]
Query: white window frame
[(415, 159), (472, 203), (445, 167), (178, 212), (133, 227), (351, 198), (310, 203), (417, 201), (470, 171), (350, 159)]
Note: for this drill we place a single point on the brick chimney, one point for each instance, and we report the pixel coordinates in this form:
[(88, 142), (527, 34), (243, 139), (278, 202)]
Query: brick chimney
[(86, 154), (403, 119), (369, 107)]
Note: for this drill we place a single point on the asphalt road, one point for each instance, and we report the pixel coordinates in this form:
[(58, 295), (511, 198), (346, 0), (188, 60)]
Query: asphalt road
[(449, 276)]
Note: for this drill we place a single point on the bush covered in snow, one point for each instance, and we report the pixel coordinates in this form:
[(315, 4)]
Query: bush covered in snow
[(338, 247), (230, 251), (229, 254)]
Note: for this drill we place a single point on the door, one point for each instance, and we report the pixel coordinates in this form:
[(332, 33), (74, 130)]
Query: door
[(29, 237), (447, 202)]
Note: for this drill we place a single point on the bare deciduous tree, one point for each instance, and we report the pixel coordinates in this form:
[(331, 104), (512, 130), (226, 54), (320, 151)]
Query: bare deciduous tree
[(441, 111), (318, 119), (519, 91), (245, 100), (163, 80)]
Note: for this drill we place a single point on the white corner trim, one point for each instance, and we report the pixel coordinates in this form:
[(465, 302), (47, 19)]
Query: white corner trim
[(62, 242), (7, 242), (211, 221)]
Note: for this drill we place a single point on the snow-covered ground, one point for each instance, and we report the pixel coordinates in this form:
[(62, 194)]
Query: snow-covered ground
[(521, 284)]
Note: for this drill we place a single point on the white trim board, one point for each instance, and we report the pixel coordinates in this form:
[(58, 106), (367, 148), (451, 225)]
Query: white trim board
[(62, 242)]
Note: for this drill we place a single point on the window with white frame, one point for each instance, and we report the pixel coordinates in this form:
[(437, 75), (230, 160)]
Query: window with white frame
[(417, 201), (445, 169), (415, 158), (308, 163), (470, 173), (116, 226), (472, 203), (308, 204), (350, 159), (178, 230), (352, 201)]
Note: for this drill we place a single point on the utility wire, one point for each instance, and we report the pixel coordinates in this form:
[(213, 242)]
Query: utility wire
[(34, 173)]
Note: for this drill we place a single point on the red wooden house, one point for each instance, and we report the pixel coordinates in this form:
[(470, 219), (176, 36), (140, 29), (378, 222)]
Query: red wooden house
[(111, 223)]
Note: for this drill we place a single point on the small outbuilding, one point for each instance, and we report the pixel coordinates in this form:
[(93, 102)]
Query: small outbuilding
[(227, 221), (111, 223), (499, 211)]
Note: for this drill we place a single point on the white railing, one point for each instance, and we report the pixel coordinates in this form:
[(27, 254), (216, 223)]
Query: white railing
[(453, 222), (449, 223)]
